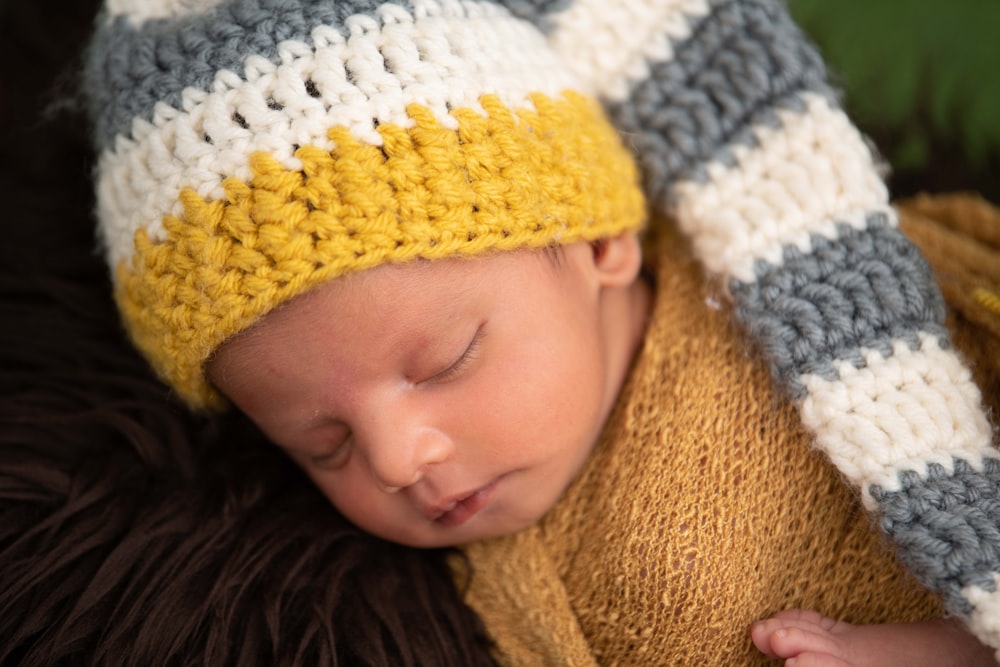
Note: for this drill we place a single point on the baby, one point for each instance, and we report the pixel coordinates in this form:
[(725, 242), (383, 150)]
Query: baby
[(404, 240), (435, 419)]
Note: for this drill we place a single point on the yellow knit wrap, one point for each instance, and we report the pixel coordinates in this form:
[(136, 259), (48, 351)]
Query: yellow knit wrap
[(524, 178), (701, 509)]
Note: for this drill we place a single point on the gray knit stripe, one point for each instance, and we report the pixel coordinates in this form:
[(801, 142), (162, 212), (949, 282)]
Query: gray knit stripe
[(864, 289), (129, 70), (945, 526), (537, 12), (742, 61)]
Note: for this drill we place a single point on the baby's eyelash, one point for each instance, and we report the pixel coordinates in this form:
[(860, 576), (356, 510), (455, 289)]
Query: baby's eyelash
[(466, 358)]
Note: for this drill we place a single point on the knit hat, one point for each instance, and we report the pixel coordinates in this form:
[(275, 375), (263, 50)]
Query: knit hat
[(250, 150)]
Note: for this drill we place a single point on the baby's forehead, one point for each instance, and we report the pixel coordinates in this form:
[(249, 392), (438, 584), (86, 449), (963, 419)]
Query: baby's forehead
[(407, 294), (451, 274)]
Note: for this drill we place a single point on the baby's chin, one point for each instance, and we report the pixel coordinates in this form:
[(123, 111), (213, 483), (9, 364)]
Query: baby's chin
[(432, 535)]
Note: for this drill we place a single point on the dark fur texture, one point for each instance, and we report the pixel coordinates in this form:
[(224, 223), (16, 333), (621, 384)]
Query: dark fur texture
[(132, 532)]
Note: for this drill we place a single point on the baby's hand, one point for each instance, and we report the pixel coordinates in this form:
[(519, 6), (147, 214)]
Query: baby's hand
[(808, 639), (805, 638)]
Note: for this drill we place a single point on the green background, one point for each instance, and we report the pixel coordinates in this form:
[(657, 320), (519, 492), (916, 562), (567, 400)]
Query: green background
[(923, 80)]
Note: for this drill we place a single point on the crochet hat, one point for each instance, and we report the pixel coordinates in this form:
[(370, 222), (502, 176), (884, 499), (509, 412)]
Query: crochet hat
[(251, 150)]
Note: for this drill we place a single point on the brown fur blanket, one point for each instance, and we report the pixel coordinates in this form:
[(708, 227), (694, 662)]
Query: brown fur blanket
[(132, 533)]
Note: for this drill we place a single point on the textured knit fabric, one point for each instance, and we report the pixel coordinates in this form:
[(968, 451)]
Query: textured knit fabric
[(703, 509), (218, 123)]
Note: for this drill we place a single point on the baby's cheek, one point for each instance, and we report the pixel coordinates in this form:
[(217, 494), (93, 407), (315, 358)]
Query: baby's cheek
[(341, 487)]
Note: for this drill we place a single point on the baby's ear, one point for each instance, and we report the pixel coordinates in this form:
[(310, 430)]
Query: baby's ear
[(617, 259)]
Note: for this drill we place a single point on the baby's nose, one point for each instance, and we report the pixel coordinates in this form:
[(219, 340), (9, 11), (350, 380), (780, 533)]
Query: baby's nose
[(401, 461)]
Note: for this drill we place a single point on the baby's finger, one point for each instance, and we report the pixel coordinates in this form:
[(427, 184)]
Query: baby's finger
[(783, 637), (816, 660), (808, 616)]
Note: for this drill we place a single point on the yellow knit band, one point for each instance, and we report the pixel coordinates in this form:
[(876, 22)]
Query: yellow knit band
[(508, 179)]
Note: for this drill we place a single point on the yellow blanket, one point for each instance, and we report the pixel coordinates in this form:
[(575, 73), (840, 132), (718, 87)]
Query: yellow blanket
[(960, 236), (703, 507)]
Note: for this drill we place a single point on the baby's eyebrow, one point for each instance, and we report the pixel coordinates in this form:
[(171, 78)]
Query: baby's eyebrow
[(301, 430), (312, 422)]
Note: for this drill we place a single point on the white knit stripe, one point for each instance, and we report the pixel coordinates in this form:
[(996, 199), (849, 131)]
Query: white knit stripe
[(897, 413), (984, 621), (609, 45), (139, 179), (811, 172), (140, 11)]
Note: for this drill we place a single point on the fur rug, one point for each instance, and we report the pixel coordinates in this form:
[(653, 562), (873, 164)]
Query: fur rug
[(130, 531)]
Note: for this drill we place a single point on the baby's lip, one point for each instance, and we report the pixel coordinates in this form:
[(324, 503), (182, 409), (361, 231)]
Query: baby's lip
[(458, 508)]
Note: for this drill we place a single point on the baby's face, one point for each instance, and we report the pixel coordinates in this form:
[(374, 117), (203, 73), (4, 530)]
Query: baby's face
[(435, 403)]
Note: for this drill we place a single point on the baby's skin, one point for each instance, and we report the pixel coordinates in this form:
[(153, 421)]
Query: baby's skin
[(806, 638)]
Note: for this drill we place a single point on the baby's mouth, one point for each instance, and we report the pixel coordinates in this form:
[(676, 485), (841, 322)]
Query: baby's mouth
[(460, 510)]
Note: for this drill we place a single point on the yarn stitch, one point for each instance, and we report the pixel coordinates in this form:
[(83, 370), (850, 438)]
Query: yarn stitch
[(987, 299), (240, 125)]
